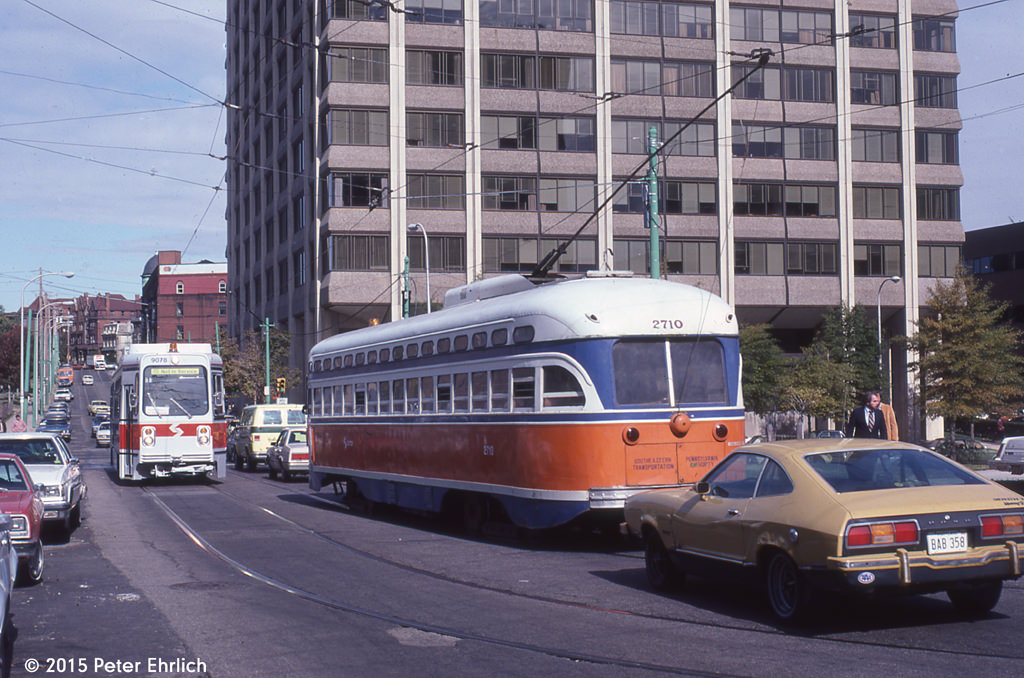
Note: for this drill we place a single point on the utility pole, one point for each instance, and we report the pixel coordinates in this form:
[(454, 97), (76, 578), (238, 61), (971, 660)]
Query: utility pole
[(266, 340), (652, 201), (405, 288)]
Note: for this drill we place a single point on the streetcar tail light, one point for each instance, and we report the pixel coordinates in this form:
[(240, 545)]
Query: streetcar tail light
[(879, 534), (203, 435), (998, 526)]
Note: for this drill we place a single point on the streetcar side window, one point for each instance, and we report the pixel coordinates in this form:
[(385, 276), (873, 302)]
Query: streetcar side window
[(698, 371), (428, 348), (523, 334), (499, 337), (523, 388), (461, 388), (479, 340), (561, 388), (360, 400), (348, 401), (412, 350), (338, 399), (444, 345), (499, 390), (371, 397), (444, 393), (412, 396), (480, 394), (385, 397), (398, 396), (461, 342), (427, 394), (317, 407)]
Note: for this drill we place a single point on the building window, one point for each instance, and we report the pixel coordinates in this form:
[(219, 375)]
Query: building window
[(433, 11), (876, 88), (791, 83), (777, 200), (447, 253), (282, 277), (517, 71), (358, 190), (567, 195), (674, 197), (938, 204), (354, 10), (179, 287), (938, 261), (551, 15), (357, 64), (666, 78), (810, 258), (519, 193), (934, 34), (434, 129), (433, 68), (772, 25), (876, 202), (760, 258), (798, 143), (179, 309), (436, 191), (299, 268), (671, 19), (935, 91), (545, 134), (179, 332), (875, 145), (357, 128), (877, 260), (630, 136), (521, 255), (873, 31), (222, 287), (222, 308), (936, 148), (510, 193), (791, 258), (679, 257), (359, 253)]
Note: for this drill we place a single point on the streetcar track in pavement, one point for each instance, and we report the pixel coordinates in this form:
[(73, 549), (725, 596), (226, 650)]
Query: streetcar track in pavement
[(767, 631)]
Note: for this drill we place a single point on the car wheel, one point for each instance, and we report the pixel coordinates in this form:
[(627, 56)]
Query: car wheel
[(250, 463), (975, 599), (787, 592), (286, 475), (271, 471), (662, 574), (239, 462), (34, 571)]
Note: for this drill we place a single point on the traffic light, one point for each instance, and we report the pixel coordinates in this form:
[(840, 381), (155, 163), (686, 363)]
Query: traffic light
[(280, 385)]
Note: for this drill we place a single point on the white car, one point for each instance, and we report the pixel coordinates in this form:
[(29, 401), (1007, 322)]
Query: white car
[(64, 394), (87, 380), (56, 475), (1010, 456), (289, 455), (97, 406), (103, 434)]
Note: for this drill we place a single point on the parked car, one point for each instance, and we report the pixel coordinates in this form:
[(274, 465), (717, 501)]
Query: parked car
[(259, 427), (56, 475), (103, 434), (97, 420), (19, 500), (87, 380), (97, 406), (1010, 456), (64, 394), (289, 455), (8, 572), (854, 515), (830, 433), (61, 427)]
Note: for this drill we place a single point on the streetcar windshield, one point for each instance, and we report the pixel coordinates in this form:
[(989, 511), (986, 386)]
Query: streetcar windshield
[(179, 390), (669, 373)]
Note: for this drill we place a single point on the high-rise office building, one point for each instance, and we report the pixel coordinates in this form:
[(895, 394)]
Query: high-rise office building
[(498, 126)]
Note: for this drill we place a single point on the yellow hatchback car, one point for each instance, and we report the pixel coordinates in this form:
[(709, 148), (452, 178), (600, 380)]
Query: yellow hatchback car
[(858, 515)]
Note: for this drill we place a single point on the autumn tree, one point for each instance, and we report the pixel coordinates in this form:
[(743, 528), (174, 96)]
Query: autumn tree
[(967, 355), (245, 363), (765, 371)]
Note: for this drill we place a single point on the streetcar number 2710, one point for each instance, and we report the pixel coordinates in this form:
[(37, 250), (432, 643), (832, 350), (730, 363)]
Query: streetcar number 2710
[(668, 324)]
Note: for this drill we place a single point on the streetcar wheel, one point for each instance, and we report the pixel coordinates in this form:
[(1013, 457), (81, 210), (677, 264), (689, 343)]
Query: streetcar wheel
[(787, 592), (662, 574), (474, 514), (975, 599)]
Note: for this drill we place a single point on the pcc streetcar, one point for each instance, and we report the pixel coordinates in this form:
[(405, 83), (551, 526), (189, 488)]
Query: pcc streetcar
[(167, 415), (535, 402)]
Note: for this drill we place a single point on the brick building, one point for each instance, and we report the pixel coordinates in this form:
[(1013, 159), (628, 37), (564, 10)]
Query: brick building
[(183, 302), (91, 314)]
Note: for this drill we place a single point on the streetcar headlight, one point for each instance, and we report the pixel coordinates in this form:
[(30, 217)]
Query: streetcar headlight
[(203, 435), (148, 436)]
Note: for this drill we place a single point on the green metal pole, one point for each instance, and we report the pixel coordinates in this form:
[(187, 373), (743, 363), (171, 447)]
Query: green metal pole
[(652, 204), (266, 340), (405, 288)]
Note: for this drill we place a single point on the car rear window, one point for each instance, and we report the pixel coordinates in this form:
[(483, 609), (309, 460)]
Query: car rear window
[(296, 417), (862, 470), (33, 451)]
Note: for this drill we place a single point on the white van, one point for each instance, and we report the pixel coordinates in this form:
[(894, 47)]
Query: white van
[(1010, 456), (259, 427)]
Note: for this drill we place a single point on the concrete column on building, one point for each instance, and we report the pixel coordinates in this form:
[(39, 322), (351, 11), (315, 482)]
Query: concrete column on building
[(396, 146), (603, 114), (844, 199), (474, 179), (723, 113)]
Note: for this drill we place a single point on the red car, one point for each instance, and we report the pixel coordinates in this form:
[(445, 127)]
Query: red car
[(19, 500)]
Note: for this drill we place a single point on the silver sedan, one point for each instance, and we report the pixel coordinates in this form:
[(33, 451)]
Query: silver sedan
[(289, 454)]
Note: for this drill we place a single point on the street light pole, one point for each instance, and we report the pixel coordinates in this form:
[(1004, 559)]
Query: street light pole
[(426, 255), (878, 305), (21, 333)]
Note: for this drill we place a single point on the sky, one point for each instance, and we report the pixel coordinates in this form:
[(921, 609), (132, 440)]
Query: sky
[(112, 136)]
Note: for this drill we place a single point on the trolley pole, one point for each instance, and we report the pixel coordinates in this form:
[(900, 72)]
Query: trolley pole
[(652, 202), (405, 288)]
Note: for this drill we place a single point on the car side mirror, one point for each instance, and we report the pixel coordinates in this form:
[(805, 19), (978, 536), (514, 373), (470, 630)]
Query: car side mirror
[(703, 487)]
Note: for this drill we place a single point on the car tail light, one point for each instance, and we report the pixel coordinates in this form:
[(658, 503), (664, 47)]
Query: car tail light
[(882, 534), (998, 526)]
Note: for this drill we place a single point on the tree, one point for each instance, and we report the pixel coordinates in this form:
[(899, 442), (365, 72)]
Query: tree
[(820, 385), (245, 363), (967, 355), (9, 357), (765, 371), (850, 338)]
